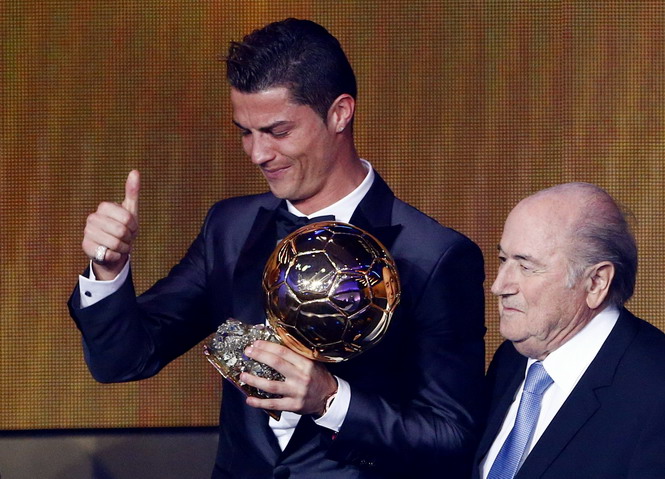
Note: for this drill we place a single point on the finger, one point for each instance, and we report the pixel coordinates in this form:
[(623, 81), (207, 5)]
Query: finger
[(264, 384), (274, 404), (275, 356), (105, 231), (294, 395), (281, 351), (91, 241), (113, 220), (132, 189), (116, 217), (110, 257), (111, 226), (286, 399)]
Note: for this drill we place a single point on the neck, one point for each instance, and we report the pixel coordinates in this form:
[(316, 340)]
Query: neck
[(347, 174), (542, 350)]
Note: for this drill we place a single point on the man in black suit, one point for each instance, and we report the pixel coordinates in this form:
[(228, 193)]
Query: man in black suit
[(568, 263), (409, 405)]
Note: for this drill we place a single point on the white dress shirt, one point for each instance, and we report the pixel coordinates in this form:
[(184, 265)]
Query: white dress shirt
[(565, 365), (92, 291)]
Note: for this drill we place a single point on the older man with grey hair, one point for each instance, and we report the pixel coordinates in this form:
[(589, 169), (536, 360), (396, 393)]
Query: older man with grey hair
[(578, 388)]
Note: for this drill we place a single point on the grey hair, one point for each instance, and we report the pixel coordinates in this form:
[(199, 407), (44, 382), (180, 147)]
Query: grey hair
[(602, 233)]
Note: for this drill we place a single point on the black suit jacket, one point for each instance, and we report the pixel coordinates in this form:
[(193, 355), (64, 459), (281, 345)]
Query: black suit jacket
[(415, 397), (613, 423)]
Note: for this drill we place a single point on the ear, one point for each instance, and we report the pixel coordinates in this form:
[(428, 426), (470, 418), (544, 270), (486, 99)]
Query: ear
[(340, 113), (598, 283)]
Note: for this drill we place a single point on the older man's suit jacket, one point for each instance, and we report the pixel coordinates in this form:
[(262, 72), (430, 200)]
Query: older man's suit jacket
[(416, 396), (613, 423)]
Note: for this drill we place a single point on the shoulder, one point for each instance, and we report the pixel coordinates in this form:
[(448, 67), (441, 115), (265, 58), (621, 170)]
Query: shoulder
[(232, 218), (426, 235), (634, 358), (438, 265), (648, 346), (239, 209), (243, 204)]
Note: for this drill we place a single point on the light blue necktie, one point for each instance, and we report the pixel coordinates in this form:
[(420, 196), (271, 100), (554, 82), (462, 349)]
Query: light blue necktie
[(508, 460)]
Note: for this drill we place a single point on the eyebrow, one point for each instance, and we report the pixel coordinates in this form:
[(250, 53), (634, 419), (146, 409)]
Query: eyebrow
[(265, 129), (520, 257)]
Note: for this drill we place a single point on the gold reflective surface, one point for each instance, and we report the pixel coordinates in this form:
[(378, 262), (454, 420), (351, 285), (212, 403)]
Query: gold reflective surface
[(331, 289)]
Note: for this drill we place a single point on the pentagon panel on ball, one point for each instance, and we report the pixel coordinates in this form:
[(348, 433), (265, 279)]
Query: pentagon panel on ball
[(331, 289)]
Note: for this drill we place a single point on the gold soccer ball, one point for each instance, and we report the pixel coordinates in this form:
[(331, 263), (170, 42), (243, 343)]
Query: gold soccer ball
[(331, 289)]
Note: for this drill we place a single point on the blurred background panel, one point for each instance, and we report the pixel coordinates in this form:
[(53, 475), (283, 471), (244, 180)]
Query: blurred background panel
[(465, 107)]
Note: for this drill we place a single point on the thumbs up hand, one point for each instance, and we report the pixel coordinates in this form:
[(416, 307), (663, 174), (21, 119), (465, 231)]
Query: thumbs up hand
[(132, 188), (111, 230)]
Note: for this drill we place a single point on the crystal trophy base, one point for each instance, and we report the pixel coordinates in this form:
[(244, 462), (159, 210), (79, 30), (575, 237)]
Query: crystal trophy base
[(225, 351)]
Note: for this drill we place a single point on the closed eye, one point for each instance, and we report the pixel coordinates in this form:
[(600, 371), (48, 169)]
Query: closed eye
[(280, 134), (243, 131)]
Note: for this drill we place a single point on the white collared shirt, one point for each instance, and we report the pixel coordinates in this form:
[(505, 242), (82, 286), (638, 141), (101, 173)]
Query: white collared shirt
[(565, 365), (92, 291), (343, 209)]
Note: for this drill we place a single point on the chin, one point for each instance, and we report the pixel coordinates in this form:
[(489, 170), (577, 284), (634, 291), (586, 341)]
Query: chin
[(530, 348), (507, 329), (512, 334), (532, 353), (280, 193)]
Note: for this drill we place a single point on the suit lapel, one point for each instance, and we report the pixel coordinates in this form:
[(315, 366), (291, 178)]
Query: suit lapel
[(248, 299), (576, 411), (374, 213), (248, 306), (502, 398), (584, 400)]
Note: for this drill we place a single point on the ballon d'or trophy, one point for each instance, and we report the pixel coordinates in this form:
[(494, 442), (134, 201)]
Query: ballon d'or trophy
[(330, 292)]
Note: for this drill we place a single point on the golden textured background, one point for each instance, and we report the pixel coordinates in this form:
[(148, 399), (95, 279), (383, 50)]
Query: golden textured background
[(465, 107)]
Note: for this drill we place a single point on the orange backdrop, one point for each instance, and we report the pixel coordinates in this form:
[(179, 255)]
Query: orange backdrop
[(465, 107)]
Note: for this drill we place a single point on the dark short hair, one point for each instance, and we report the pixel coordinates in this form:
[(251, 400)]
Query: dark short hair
[(299, 55)]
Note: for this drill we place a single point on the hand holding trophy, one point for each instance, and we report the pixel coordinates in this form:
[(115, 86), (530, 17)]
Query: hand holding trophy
[(330, 289)]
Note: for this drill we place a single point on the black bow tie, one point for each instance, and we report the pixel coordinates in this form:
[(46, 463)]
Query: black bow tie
[(288, 222)]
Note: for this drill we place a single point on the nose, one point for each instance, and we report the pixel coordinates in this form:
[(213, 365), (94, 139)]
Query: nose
[(504, 283), (258, 148)]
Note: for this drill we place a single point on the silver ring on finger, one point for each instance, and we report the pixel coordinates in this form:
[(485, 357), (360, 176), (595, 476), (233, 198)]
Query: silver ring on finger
[(100, 254)]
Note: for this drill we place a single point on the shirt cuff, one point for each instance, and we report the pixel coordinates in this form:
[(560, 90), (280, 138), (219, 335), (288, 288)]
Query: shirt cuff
[(334, 417), (93, 291)]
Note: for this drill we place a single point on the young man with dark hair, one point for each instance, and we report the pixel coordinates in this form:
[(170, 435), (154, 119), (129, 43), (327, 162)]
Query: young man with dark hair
[(408, 406)]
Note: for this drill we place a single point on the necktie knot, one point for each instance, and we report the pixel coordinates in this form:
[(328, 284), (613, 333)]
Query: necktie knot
[(537, 380)]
